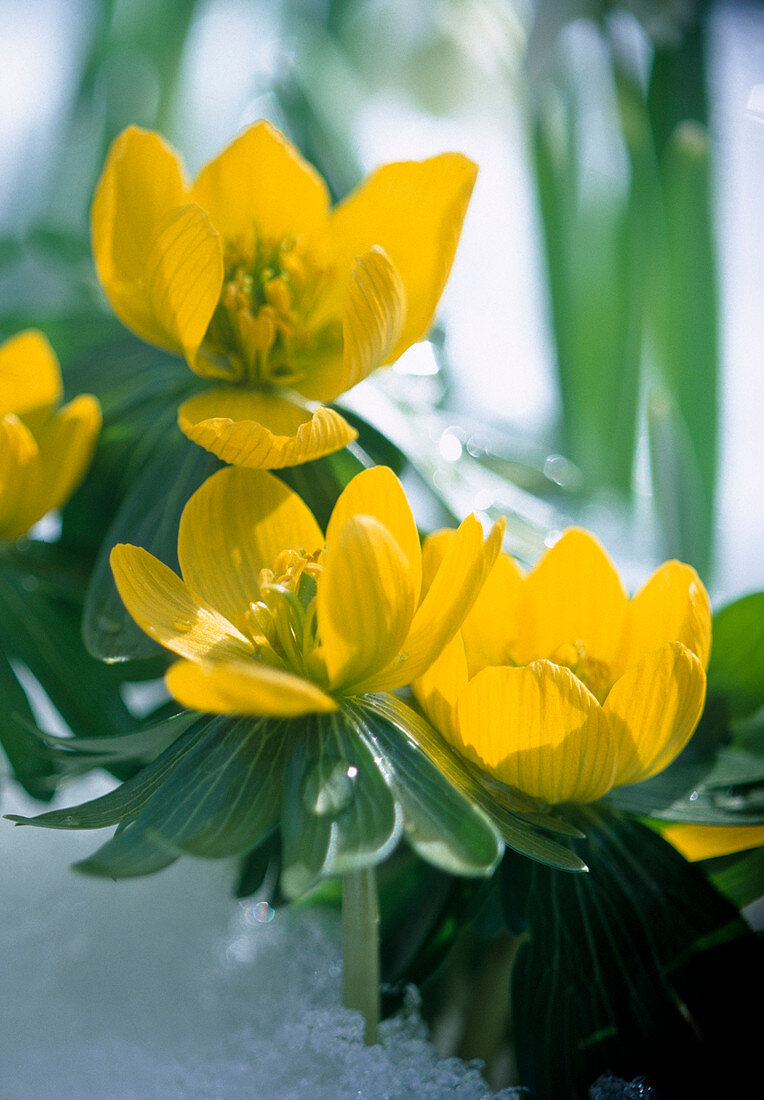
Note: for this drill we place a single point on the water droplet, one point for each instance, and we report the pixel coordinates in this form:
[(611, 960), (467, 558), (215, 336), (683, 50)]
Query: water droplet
[(693, 796), (562, 472), (328, 787), (262, 912), (552, 537), (108, 624), (450, 445), (29, 583), (182, 625)]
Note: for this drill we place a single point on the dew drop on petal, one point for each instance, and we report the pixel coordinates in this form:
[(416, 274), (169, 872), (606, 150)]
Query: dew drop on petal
[(328, 787), (108, 624), (262, 912)]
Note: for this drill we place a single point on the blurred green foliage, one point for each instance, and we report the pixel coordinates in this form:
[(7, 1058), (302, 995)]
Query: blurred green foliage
[(632, 270)]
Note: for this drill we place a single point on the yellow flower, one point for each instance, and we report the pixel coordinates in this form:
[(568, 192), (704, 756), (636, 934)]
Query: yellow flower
[(270, 294), (561, 686), (270, 618), (697, 842), (44, 450)]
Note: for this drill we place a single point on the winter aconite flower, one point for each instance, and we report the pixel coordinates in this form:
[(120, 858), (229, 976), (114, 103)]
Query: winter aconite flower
[(272, 618), (274, 298), (44, 450), (290, 642), (562, 687)]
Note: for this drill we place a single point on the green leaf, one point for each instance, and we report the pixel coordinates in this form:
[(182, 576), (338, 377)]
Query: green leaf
[(375, 445), (416, 899), (699, 806), (369, 826), (736, 668), (321, 481), (740, 877), (678, 86), (440, 821), (129, 854), (338, 813), (676, 481), (31, 761), (259, 867), (223, 797), (53, 567), (506, 813), (139, 389), (43, 633), (598, 249), (716, 780), (736, 767), (684, 330), (215, 792), (125, 802), (305, 834), (645, 975), (143, 746), (149, 517)]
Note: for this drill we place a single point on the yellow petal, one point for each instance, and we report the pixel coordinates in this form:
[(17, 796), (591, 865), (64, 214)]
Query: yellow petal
[(183, 278), (66, 444), (378, 492), (573, 595), (433, 552), (234, 525), (539, 729), (413, 210), (709, 841), (141, 183), (30, 378), (454, 589), (261, 430), (244, 687), (654, 708), (373, 317), (365, 601), (672, 606), (260, 187), (439, 688), (492, 623), (163, 606), (19, 461)]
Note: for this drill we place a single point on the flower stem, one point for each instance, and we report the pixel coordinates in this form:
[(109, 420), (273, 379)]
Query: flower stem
[(360, 947)]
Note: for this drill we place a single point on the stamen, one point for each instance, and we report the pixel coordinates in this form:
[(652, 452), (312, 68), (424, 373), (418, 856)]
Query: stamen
[(265, 331), (282, 623), (593, 673)]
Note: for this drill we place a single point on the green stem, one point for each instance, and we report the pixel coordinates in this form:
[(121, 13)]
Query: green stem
[(360, 947)]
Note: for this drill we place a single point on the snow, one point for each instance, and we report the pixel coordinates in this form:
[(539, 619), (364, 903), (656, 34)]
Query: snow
[(169, 987)]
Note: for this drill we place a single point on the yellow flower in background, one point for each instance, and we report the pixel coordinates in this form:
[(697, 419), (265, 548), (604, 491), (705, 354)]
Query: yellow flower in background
[(273, 618), (697, 842), (274, 297), (44, 450), (561, 686)]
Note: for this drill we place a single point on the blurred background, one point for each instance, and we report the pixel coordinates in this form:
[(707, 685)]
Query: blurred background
[(598, 352)]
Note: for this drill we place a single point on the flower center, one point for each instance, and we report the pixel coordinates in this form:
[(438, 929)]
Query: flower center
[(271, 323), (282, 622), (593, 673)]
